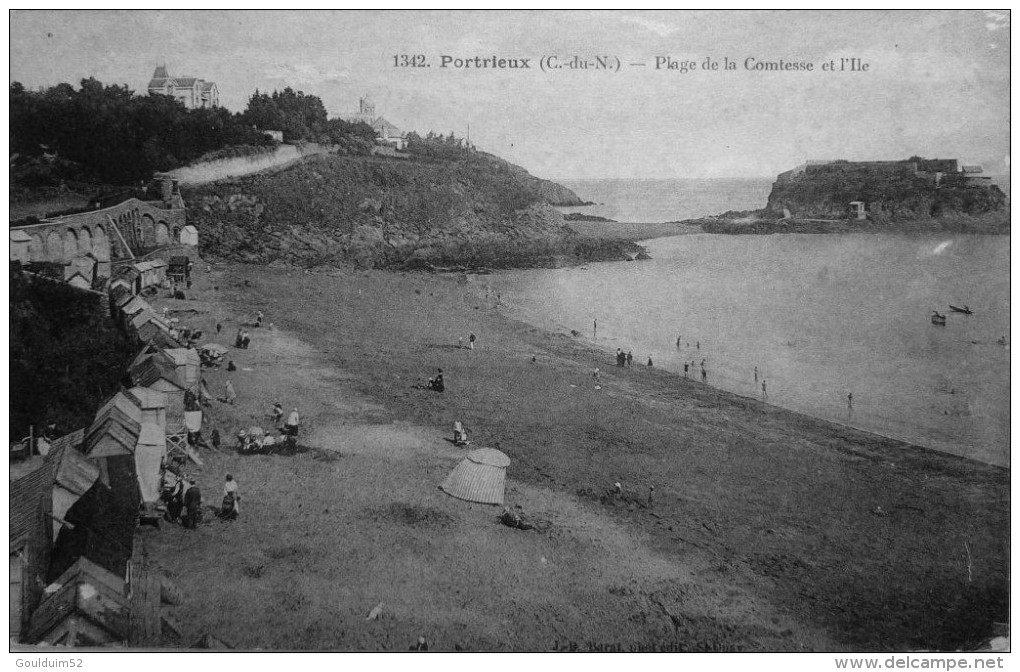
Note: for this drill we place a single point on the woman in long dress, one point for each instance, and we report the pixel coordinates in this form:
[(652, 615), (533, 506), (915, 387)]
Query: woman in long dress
[(230, 508)]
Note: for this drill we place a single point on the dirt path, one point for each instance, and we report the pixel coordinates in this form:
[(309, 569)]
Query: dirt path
[(761, 535)]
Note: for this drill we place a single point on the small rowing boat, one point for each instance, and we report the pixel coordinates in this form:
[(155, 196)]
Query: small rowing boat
[(938, 318), (965, 310)]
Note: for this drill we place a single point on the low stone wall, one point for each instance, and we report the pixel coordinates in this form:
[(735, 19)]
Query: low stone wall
[(222, 169)]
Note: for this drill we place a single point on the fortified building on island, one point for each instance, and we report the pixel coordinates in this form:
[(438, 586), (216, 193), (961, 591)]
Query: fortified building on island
[(915, 187)]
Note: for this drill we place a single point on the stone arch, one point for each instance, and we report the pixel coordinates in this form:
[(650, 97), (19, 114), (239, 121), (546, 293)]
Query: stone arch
[(37, 248), (146, 228), (162, 233), (54, 247), (84, 240), (70, 244), (101, 244)]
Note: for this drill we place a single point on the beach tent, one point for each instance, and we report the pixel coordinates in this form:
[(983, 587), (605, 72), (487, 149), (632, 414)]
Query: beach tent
[(480, 477)]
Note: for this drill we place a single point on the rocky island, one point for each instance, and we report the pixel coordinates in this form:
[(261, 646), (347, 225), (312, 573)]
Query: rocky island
[(915, 194)]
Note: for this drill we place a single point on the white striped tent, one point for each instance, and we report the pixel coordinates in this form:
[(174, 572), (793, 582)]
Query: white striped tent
[(480, 477)]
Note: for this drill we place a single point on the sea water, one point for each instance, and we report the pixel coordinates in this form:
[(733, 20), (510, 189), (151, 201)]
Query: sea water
[(820, 316)]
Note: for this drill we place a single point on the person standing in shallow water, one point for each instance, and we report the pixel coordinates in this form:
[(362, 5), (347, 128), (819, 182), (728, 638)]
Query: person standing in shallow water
[(630, 358), (764, 391), (849, 405), (756, 375), (595, 329)]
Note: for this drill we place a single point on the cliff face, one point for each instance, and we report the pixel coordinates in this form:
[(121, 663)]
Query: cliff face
[(892, 192), (374, 212)]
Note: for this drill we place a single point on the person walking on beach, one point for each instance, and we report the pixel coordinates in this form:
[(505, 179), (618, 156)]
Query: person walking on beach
[(678, 341), (704, 373), (650, 360), (595, 329), (756, 375), (630, 358), (764, 391), (621, 358), (698, 344), (849, 405), (685, 369)]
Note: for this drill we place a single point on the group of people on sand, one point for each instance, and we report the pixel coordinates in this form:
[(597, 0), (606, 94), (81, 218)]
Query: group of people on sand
[(243, 339), (627, 358), (290, 426), (183, 499), (255, 439)]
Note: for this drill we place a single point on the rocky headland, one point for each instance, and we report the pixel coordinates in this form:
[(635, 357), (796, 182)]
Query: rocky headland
[(476, 211)]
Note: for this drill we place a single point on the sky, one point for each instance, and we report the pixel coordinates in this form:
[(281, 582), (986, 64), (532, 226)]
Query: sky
[(937, 83)]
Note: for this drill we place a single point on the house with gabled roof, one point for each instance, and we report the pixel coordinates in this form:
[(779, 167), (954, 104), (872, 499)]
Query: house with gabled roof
[(192, 92)]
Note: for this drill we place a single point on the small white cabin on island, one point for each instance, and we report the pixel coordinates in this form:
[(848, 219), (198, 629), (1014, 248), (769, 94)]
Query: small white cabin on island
[(857, 210)]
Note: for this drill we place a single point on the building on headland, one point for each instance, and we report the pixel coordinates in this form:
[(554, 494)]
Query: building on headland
[(385, 132), (193, 92)]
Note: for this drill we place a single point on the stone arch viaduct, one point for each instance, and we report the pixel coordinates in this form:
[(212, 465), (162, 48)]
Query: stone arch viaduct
[(117, 232)]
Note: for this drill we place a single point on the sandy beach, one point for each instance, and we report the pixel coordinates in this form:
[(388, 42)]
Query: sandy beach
[(769, 530)]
